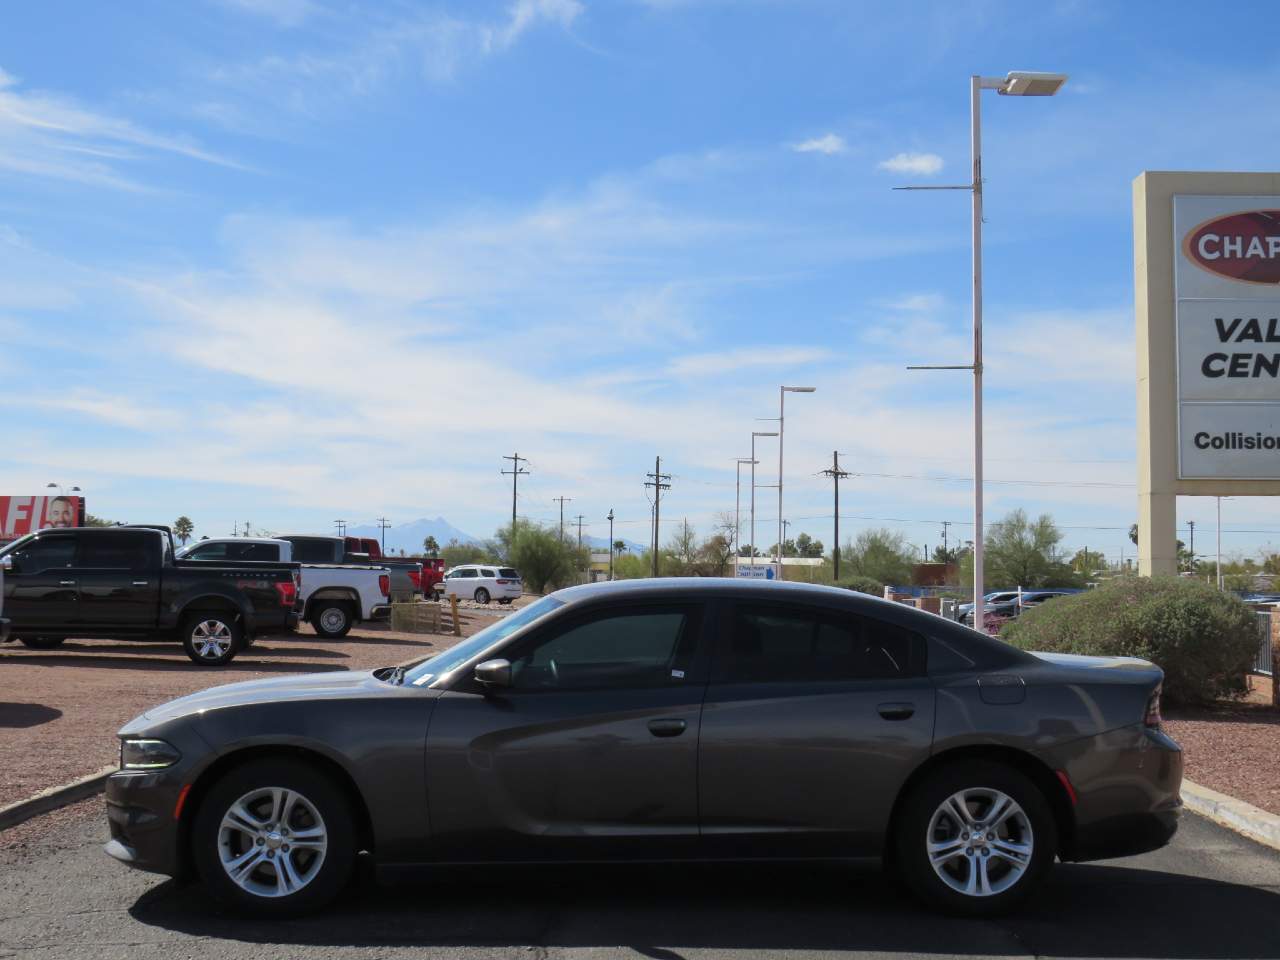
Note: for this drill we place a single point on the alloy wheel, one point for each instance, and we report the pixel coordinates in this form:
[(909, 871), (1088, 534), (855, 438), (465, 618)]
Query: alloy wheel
[(980, 842), (212, 639), (272, 842)]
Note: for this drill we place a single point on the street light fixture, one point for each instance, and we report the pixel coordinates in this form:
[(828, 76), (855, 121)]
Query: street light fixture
[(737, 510), (782, 403), (58, 487), (754, 461), (1017, 83)]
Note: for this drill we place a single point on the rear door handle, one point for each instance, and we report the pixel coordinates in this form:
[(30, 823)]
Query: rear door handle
[(140, 583), (897, 711), (66, 583), (667, 727)]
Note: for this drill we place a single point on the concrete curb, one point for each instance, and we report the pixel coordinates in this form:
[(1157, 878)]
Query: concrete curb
[(1243, 818), (53, 798)]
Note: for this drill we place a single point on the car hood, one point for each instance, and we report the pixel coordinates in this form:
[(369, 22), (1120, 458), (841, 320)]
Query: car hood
[(340, 684)]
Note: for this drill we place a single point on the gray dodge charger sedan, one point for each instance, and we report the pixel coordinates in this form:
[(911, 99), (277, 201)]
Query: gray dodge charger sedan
[(662, 720)]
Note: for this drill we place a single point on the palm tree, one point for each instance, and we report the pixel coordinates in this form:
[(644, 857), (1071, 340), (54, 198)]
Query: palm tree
[(619, 547), (431, 547), (183, 528)]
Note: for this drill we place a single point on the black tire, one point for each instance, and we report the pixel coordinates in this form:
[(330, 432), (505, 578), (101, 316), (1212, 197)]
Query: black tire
[(212, 638), (972, 851), (332, 619), (481, 595), (505, 602), (319, 804), (41, 643)]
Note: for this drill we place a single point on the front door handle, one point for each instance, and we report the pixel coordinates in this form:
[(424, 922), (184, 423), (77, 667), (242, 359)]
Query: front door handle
[(140, 583), (667, 728), (66, 583), (897, 711)]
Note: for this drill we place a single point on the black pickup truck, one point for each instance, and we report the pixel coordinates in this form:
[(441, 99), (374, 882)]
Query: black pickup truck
[(124, 583)]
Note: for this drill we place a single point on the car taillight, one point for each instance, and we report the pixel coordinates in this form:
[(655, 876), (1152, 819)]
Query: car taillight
[(1153, 718), (288, 593), (384, 584)]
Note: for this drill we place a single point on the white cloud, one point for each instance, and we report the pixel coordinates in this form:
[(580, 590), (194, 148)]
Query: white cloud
[(920, 164), (524, 14), (828, 144), (731, 361), (46, 135)]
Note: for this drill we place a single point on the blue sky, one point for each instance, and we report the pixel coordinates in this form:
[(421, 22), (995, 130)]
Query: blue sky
[(282, 261)]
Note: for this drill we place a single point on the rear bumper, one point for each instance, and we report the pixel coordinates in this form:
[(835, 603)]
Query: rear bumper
[(1128, 784), (381, 612)]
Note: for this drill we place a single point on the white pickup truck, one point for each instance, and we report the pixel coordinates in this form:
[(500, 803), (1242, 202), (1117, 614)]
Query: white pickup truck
[(335, 596)]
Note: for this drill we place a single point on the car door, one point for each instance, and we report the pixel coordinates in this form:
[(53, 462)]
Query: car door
[(590, 752), (40, 588), (814, 719), (463, 584), (118, 573)]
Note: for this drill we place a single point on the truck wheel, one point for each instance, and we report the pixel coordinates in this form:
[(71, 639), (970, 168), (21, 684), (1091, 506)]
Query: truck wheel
[(41, 643), (482, 595), (211, 638), (332, 619)]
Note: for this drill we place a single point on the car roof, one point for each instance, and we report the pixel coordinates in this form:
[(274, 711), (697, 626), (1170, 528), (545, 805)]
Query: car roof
[(723, 586), (239, 540)]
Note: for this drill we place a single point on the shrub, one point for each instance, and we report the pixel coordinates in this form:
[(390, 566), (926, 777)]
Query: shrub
[(1204, 640), (862, 584)]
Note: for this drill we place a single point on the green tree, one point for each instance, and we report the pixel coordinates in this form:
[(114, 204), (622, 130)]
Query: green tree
[(633, 566), (455, 552), (183, 528), (1020, 552), (91, 521), (619, 547), (881, 555), (806, 546), (430, 547), (716, 555), (543, 559), (682, 554)]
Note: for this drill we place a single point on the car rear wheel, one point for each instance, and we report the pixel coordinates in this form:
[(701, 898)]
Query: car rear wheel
[(41, 643), (212, 638), (505, 601), (975, 838), (482, 595), (332, 619), (276, 836)]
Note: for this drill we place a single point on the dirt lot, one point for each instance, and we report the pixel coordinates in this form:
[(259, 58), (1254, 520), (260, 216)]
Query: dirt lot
[(60, 709), (1234, 748)]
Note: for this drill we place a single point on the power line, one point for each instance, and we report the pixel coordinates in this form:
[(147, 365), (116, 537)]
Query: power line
[(562, 501), (836, 474), (515, 471), (383, 524)]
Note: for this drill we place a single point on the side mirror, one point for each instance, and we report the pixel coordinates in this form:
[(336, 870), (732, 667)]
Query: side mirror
[(6, 563), (494, 673)]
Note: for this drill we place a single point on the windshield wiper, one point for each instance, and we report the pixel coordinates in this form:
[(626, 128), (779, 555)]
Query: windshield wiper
[(390, 675)]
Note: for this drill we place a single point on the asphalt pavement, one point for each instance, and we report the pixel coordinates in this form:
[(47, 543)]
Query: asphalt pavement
[(1211, 894)]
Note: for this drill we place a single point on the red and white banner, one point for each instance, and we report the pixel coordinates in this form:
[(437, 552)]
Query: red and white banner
[(22, 515)]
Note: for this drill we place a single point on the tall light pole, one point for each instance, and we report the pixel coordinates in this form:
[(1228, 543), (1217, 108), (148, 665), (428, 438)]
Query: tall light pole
[(754, 461), (782, 406), (610, 519), (737, 511), (1018, 83), (61, 491)]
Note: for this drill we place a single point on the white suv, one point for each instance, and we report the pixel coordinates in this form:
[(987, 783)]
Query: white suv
[(481, 582)]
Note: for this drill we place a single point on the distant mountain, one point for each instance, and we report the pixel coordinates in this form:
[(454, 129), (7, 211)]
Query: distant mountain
[(409, 536), (602, 543)]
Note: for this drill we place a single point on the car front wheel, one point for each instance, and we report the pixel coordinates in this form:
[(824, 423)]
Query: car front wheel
[(482, 595), (275, 836), (975, 838)]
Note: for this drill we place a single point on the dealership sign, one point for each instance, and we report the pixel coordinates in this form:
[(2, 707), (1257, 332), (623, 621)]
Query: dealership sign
[(22, 515), (1227, 316)]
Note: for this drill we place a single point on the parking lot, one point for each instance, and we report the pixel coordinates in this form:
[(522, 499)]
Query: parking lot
[(1210, 894)]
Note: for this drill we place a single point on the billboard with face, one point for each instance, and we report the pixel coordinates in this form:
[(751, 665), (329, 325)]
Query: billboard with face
[(22, 515)]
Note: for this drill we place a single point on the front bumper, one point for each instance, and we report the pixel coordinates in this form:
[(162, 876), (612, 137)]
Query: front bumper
[(140, 813)]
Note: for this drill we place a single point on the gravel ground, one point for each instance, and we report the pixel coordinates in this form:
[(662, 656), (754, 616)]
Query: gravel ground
[(1234, 748), (60, 709)]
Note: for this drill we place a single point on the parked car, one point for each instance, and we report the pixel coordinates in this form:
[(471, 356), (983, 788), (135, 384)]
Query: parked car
[(334, 596), (124, 582), (1013, 606), (4, 623), (481, 582), (406, 575), (682, 719), (964, 611)]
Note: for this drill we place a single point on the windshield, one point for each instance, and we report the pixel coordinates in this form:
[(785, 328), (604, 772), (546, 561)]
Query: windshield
[(16, 544), (455, 656)]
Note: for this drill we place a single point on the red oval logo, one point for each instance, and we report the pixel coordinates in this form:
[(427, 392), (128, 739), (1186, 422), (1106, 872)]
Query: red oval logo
[(1238, 246)]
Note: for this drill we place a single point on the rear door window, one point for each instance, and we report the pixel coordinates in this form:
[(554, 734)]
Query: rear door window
[(309, 550), (488, 573), (208, 551), (768, 644), (127, 550)]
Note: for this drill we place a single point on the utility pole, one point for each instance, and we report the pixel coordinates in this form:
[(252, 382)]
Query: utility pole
[(610, 519), (1192, 525), (339, 525), (580, 518), (836, 474), (383, 524), (656, 481), (246, 528), (945, 555), (515, 471), (562, 501)]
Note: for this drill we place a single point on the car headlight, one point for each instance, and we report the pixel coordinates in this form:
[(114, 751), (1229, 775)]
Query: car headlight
[(147, 755)]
